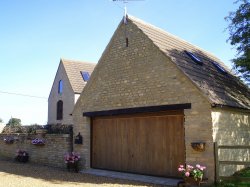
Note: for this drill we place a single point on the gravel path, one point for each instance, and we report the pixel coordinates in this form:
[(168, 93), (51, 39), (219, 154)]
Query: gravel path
[(27, 175)]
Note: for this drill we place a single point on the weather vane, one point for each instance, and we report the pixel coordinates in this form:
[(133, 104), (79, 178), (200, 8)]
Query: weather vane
[(125, 8), (125, 2)]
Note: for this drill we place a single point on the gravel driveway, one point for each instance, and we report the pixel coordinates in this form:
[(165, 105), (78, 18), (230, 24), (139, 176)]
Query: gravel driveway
[(27, 175)]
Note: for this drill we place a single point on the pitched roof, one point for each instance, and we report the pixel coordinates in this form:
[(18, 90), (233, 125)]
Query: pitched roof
[(73, 70), (220, 89)]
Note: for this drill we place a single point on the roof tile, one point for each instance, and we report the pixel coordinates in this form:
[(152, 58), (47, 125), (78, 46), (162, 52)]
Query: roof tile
[(73, 70), (221, 89)]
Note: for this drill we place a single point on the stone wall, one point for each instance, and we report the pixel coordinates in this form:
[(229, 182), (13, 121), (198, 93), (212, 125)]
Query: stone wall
[(51, 154), (82, 125), (141, 75), (231, 127)]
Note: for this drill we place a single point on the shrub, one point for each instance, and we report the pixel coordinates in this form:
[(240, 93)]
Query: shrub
[(58, 129)]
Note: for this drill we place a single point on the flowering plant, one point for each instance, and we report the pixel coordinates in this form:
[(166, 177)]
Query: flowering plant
[(190, 171), (9, 140), (38, 142), (21, 153), (71, 157), (21, 156)]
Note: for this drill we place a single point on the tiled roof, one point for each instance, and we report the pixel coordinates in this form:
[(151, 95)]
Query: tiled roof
[(220, 89), (73, 70)]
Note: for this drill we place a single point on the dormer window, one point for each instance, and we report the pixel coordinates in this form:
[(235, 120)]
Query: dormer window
[(60, 87), (194, 58), (219, 67), (85, 75)]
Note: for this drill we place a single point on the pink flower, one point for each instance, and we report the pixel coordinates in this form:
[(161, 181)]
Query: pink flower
[(198, 166), (202, 168), (187, 174), (190, 167), (181, 166), (181, 169)]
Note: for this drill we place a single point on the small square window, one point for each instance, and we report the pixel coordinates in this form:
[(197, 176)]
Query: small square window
[(85, 75)]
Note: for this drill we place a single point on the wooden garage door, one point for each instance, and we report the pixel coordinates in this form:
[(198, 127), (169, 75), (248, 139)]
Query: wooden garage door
[(151, 144)]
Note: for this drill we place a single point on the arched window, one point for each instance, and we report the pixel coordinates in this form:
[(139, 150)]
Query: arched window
[(60, 87), (59, 112)]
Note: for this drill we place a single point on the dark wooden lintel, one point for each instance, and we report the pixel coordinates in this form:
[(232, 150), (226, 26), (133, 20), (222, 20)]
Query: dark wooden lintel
[(137, 110)]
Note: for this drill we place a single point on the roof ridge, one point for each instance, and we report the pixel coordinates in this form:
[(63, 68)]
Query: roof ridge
[(132, 18), (76, 61)]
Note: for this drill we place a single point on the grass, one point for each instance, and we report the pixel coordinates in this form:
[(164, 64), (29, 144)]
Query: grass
[(236, 182)]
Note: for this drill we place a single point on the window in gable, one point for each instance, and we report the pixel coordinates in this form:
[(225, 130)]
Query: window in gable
[(194, 58), (59, 110), (219, 67), (85, 75), (60, 87)]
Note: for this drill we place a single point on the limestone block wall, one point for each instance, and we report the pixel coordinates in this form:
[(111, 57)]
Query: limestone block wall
[(67, 96), (82, 125), (231, 127), (141, 75), (51, 154)]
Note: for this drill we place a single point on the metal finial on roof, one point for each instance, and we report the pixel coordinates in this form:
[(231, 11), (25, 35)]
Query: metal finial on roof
[(125, 14), (125, 8)]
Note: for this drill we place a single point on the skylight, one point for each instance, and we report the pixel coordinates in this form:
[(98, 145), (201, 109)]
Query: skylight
[(85, 75), (219, 67), (194, 58)]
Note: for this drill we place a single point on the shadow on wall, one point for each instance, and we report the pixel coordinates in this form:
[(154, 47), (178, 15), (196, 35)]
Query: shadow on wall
[(56, 176), (231, 128)]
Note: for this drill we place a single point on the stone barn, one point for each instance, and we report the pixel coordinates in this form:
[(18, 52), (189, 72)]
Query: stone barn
[(150, 97)]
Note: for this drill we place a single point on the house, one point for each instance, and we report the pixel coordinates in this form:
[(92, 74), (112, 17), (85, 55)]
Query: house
[(2, 125), (151, 96), (70, 79)]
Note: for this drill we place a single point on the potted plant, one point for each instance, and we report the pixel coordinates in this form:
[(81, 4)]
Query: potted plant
[(192, 175), (71, 159), (21, 156)]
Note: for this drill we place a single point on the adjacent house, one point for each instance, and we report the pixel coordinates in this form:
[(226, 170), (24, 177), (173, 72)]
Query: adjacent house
[(70, 79), (150, 97), (2, 125)]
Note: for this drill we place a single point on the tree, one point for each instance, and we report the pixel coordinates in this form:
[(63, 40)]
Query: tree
[(14, 122), (239, 30)]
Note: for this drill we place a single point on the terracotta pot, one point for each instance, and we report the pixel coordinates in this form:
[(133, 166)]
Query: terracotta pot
[(192, 181), (73, 166)]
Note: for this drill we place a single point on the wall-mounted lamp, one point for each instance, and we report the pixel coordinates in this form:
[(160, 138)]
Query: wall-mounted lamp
[(198, 146)]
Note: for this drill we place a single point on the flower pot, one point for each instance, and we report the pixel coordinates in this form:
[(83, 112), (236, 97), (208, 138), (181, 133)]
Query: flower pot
[(73, 166), (22, 158), (192, 181)]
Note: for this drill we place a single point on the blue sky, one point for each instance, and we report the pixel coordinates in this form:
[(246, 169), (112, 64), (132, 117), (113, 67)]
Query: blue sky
[(34, 35)]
